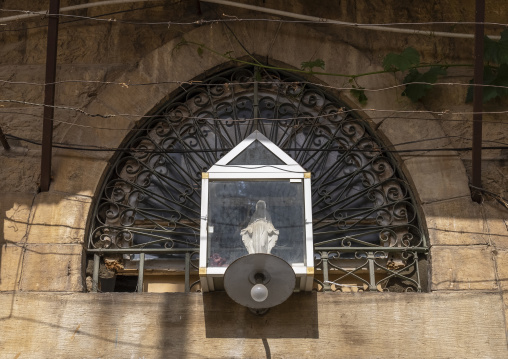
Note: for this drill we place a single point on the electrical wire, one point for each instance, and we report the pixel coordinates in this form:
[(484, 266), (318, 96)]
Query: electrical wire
[(343, 111), (76, 20), (127, 85), (439, 113), (136, 129), (336, 22), (231, 18), (135, 150)]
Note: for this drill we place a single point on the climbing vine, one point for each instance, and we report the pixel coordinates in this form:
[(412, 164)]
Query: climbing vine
[(495, 70), (418, 77)]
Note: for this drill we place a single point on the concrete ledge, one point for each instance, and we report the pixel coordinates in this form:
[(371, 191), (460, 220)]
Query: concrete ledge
[(117, 325)]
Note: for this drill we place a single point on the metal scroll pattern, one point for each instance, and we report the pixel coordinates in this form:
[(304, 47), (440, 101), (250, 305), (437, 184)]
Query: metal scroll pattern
[(366, 230)]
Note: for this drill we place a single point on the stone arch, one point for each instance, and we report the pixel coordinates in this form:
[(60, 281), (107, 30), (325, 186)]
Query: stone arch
[(151, 197), (395, 119)]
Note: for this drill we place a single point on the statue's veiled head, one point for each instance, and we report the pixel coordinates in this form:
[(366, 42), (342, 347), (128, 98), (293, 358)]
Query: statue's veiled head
[(261, 212)]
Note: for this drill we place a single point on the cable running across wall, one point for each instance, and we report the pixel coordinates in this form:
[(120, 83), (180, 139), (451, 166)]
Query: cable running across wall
[(305, 20), (107, 116), (126, 85)]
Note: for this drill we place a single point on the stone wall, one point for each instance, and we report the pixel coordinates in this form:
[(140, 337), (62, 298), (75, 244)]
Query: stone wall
[(179, 325), (42, 234)]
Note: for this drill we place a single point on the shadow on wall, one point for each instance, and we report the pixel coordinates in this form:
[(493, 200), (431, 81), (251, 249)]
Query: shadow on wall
[(15, 210), (37, 229), (295, 318)]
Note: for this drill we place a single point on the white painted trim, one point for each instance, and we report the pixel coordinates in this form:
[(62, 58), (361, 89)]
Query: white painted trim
[(309, 237), (270, 146), (299, 270), (279, 174), (203, 233), (216, 271), (290, 171)]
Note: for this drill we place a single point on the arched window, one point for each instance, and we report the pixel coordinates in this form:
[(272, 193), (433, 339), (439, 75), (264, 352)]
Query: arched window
[(366, 229)]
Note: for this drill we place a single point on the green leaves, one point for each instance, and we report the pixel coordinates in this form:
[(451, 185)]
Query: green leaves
[(409, 59), (403, 61), (496, 51), (309, 65), (495, 77), (359, 94), (415, 91)]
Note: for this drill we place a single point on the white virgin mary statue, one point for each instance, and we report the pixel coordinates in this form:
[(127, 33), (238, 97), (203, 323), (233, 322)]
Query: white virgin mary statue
[(260, 235)]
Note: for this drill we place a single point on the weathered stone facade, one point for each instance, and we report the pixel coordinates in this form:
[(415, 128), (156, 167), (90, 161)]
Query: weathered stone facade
[(45, 310)]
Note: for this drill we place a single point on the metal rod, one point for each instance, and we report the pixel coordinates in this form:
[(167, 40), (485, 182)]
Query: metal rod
[(143, 250), (187, 272), (293, 15), (372, 272), (95, 276), (370, 249), (326, 279), (3, 140), (478, 99), (419, 289), (141, 270), (185, 250), (49, 95), (331, 21)]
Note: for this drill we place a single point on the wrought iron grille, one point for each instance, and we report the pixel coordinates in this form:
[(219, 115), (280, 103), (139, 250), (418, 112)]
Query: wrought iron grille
[(367, 234)]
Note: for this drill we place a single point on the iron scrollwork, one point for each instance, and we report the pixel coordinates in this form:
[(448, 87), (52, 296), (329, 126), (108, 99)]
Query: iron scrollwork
[(366, 228)]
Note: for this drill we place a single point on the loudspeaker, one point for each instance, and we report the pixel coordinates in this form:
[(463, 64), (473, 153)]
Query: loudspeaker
[(259, 281)]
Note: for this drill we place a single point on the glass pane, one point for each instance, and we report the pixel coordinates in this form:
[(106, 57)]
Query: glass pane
[(246, 217), (256, 154)]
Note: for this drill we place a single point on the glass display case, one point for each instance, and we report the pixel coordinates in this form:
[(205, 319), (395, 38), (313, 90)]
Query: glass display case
[(256, 199)]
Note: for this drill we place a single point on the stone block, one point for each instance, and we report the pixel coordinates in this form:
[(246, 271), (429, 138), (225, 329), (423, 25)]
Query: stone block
[(85, 130), (20, 170), (74, 93), (25, 122), (59, 218), (22, 73), (502, 272), (462, 268), (456, 221), (410, 131), (53, 268), (76, 174), (437, 176), (10, 267), (497, 223), (14, 212)]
